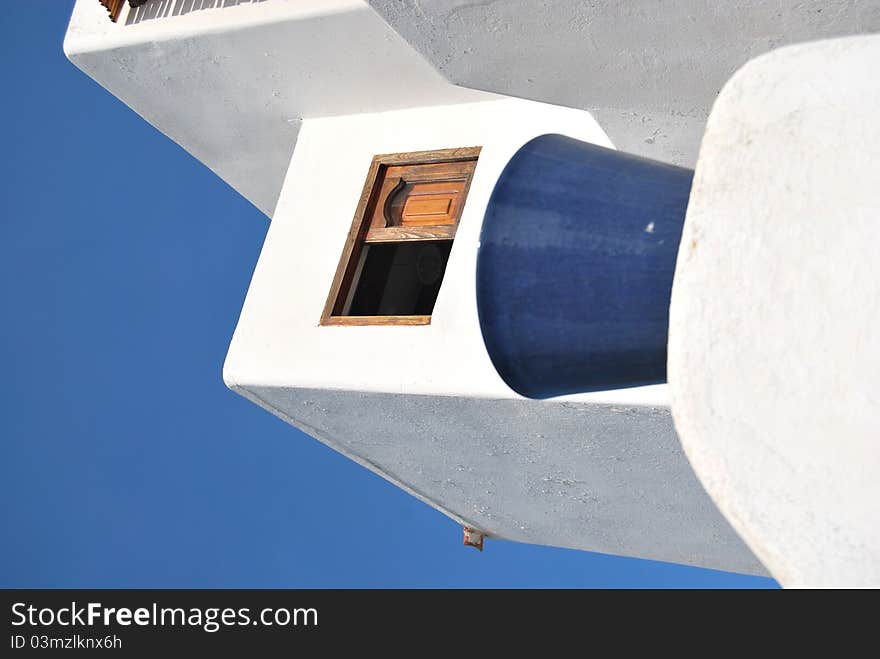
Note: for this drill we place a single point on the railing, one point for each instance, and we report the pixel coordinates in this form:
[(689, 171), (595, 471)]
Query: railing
[(143, 10), (114, 7)]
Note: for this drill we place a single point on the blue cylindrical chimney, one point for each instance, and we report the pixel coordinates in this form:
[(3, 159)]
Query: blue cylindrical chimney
[(575, 266)]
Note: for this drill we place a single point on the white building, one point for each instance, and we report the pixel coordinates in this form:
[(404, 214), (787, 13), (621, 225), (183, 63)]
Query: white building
[(291, 102)]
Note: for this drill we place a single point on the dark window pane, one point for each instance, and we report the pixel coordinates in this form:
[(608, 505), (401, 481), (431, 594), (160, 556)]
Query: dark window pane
[(400, 279)]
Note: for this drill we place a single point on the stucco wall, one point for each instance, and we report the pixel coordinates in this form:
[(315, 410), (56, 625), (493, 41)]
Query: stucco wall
[(278, 340), (231, 84), (648, 70), (774, 348)]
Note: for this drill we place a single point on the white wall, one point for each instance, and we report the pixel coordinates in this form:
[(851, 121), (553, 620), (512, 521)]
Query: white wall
[(231, 84), (278, 341), (647, 70), (774, 335)]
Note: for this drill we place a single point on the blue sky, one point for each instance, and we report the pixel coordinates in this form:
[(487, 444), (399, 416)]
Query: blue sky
[(125, 460)]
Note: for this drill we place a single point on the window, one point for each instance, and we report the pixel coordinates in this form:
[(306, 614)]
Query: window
[(395, 257)]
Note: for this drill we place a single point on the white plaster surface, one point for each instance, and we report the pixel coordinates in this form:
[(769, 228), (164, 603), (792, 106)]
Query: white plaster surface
[(774, 343), (278, 341), (604, 478), (647, 70), (231, 84)]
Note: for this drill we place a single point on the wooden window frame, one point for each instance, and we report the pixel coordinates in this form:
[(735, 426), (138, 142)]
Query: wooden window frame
[(360, 227)]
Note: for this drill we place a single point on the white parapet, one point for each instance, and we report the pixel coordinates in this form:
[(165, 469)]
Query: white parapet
[(774, 339)]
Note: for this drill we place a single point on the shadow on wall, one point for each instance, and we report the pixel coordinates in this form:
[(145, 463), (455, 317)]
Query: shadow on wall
[(164, 8)]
